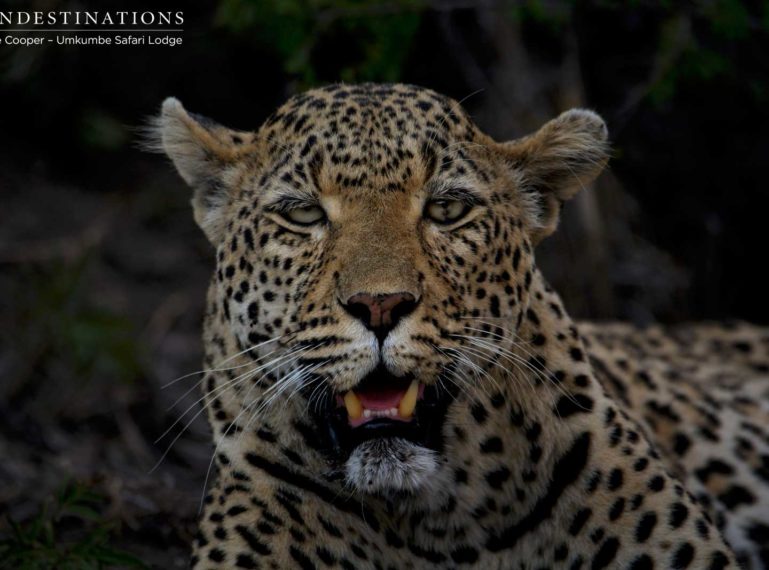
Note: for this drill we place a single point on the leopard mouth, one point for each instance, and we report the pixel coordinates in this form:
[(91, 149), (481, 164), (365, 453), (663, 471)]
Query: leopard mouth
[(381, 395), (386, 406)]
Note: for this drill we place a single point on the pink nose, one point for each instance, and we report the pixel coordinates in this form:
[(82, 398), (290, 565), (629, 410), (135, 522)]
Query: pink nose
[(382, 312)]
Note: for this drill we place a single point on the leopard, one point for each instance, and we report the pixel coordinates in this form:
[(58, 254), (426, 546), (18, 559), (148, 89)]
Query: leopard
[(391, 382)]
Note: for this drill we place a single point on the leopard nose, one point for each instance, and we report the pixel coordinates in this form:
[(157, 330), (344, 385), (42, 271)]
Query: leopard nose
[(380, 313)]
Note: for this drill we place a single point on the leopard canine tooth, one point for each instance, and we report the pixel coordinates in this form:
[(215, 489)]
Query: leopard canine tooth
[(353, 405), (409, 400)]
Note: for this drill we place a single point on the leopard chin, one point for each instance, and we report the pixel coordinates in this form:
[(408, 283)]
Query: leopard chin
[(393, 467)]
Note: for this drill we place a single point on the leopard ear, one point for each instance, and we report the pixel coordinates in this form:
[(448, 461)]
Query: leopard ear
[(563, 156), (207, 156)]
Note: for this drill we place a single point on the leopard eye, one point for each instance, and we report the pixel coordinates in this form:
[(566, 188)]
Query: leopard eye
[(446, 211), (305, 216)]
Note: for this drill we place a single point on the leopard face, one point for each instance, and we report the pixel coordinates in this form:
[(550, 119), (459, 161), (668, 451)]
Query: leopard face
[(368, 239)]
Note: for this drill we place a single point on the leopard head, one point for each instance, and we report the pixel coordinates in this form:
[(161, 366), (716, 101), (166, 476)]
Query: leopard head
[(367, 236)]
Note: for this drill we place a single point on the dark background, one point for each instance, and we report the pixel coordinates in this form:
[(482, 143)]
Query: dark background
[(103, 272)]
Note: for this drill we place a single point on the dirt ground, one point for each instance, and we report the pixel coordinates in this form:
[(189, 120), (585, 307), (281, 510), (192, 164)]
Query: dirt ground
[(102, 301)]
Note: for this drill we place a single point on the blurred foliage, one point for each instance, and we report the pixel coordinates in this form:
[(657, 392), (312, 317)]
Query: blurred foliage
[(729, 18), (373, 38), (102, 130), (554, 15), (363, 40), (701, 42), (57, 317), (42, 544)]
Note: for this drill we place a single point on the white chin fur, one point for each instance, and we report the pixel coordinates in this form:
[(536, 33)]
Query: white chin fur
[(389, 466)]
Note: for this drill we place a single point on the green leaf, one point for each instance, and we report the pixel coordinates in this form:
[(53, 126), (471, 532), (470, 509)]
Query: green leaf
[(730, 19), (34, 545), (377, 34), (113, 556), (101, 130)]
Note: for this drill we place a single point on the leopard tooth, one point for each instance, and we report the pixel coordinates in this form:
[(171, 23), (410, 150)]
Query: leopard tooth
[(353, 405), (409, 401)]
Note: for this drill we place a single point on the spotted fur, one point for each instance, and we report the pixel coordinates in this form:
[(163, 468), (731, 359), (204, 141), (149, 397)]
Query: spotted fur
[(562, 445)]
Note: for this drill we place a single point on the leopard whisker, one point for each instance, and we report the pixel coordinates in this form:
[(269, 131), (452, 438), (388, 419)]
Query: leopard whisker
[(484, 357), (290, 382), (245, 410), (477, 370), (199, 382), (494, 363), (225, 387), (226, 360), (324, 393), (454, 376), (455, 105), (219, 390), (548, 376)]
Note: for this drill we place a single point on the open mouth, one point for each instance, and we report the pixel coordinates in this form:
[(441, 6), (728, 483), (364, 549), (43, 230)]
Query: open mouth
[(382, 395), (384, 405)]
